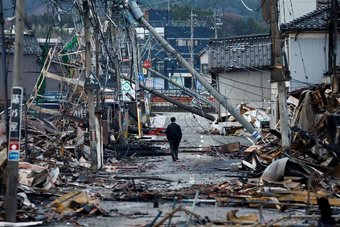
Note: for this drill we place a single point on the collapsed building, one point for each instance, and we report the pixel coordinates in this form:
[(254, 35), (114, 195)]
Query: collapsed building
[(102, 118)]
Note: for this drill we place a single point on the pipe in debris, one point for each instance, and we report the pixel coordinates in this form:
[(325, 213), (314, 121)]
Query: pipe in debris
[(169, 215), (138, 15), (155, 219), (173, 207), (193, 205), (186, 90), (177, 103)]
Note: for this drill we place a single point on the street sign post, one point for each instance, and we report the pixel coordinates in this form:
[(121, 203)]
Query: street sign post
[(13, 153)]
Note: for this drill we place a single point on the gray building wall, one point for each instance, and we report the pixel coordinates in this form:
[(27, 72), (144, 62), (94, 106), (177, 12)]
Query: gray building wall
[(308, 58), (251, 87), (294, 9), (31, 70)]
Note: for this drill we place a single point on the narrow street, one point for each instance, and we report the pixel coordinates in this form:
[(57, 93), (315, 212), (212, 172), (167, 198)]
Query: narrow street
[(96, 96), (133, 190)]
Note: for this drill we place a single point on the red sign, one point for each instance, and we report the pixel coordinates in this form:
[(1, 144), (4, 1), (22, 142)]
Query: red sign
[(147, 64), (14, 145)]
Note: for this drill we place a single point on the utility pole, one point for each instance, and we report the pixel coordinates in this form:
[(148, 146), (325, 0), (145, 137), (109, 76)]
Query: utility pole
[(136, 74), (193, 85), (13, 146), (4, 67), (217, 23), (184, 89), (175, 102), (90, 91), (279, 77), (138, 15), (332, 46), (169, 13)]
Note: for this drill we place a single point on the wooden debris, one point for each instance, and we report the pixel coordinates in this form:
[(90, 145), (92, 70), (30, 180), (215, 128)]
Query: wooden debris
[(231, 147), (75, 198), (244, 219), (3, 157)]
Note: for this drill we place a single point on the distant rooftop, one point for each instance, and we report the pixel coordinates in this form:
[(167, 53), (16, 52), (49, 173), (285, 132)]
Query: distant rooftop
[(236, 53), (31, 45)]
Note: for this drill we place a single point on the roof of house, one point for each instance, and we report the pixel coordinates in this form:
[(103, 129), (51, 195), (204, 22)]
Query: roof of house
[(31, 45), (235, 53), (313, 21), (246, 39)]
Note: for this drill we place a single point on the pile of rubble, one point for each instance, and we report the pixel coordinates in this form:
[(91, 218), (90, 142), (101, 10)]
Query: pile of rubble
[(56, 181)]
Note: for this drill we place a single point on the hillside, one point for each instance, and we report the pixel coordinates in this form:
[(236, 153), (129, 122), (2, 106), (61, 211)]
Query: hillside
[(236, 15), (224, 6)]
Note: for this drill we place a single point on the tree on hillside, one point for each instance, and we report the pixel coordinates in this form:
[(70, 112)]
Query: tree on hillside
[(233, 24), (183, 12)]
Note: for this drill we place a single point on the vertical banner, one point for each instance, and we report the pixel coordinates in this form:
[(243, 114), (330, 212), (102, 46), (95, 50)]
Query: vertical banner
[(15, 124)]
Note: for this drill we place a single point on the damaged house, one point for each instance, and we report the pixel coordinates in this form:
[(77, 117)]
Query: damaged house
[(307, 44), (239, 67), (32, 63)]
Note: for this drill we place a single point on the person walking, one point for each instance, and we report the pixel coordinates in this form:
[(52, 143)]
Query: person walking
[(174, 135)]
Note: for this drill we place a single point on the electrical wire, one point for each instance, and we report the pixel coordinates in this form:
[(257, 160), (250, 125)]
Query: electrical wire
[(250, 9), (300, 49)]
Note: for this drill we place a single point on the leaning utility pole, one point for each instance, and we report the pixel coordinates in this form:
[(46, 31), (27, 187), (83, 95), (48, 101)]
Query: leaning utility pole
[(197, 111), (184, 89), (279, 76), (13, 147), (138, 15)]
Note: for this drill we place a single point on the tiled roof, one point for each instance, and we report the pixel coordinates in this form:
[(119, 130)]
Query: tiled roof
[(31, 45), (313, 21), (235, 53), (246, 39)]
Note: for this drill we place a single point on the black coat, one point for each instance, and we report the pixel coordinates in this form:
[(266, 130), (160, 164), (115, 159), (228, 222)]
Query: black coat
[(173, 132)]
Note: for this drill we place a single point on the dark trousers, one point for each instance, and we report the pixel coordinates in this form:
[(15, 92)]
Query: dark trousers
[(174, 144)]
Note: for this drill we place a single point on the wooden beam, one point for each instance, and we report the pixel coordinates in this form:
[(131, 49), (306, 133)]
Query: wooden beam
[(64, 79), (45, 110)]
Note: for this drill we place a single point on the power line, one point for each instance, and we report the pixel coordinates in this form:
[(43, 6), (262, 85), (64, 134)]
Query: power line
[(250, 9)]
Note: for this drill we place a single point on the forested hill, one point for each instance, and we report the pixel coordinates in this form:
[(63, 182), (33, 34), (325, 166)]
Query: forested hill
[(238, 7), (239, 17)]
